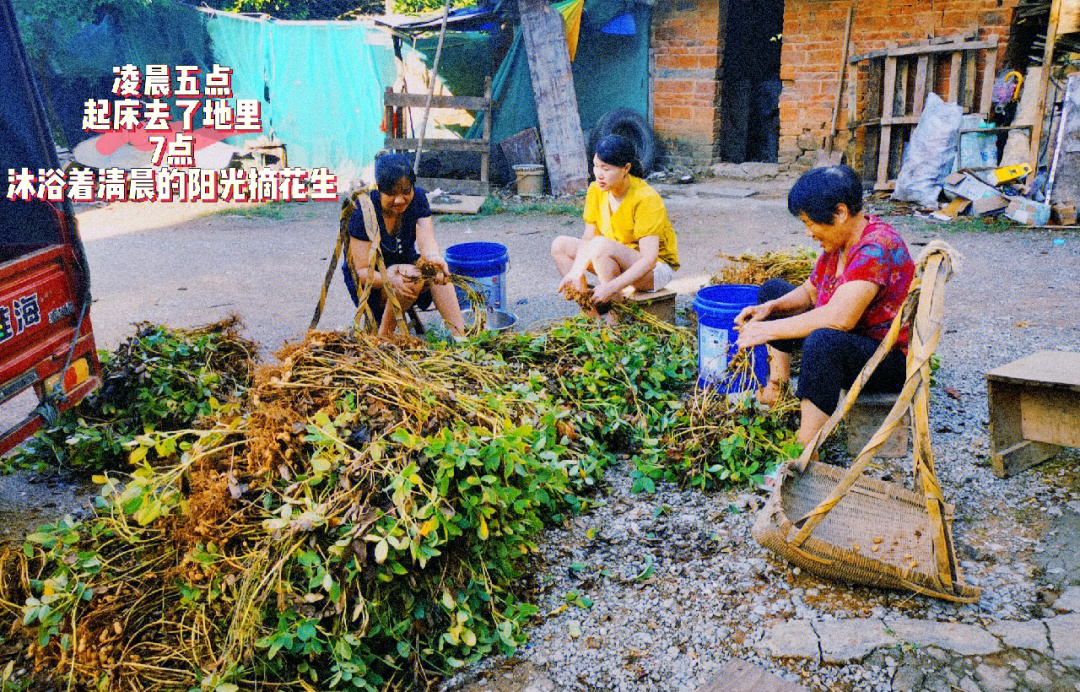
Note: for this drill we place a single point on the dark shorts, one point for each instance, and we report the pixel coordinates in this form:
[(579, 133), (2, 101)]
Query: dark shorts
[(832, 359), (376, 300)]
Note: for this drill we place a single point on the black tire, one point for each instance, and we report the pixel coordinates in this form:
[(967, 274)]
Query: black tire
[(632, 125)]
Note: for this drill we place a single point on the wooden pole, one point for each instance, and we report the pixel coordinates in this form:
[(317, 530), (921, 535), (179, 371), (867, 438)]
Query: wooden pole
[(431, 88), (843, 70), (1044, 81)]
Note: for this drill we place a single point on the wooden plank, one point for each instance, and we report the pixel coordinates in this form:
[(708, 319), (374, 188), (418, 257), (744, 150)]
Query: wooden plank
[(469, 103), (947, 46), (931, 74), (1050, 415), (1065, 175), (461, 187), (920, 85), (900, 101), (553, 91), (523, 149), (942, 48), (1021, 456), (852, 97), (955, 65), (740, 676), (1018, 145), (840, 76), (905, 120), (869, 55), (989, 69), (410, 143), (1055, 368), (1040, 109), (485, 158), (1010, 452), (1069, 17), (873, 110), (884, 148), (967, 91)]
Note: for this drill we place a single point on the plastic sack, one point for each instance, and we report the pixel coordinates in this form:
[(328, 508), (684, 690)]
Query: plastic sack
[(930, 154)]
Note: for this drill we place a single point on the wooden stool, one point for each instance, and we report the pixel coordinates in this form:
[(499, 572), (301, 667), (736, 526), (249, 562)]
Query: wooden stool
[(660, 304), (1034, 409), (866, 416)]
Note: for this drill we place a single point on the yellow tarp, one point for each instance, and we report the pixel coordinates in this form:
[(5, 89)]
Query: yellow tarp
[(571, 14)]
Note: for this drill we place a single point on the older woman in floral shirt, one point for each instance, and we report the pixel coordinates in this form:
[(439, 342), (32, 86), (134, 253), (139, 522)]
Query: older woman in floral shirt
[(842, 312)]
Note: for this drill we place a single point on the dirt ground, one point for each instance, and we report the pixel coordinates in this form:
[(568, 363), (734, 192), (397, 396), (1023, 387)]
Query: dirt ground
[(161, 265)]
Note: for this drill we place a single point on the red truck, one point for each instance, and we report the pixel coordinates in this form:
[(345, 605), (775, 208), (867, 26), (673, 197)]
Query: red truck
[(46, 339)]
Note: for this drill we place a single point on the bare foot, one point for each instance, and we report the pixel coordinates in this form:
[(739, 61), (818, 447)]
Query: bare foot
[(769, 394)]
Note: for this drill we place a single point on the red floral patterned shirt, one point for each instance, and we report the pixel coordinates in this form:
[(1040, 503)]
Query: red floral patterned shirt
[(880, 256)]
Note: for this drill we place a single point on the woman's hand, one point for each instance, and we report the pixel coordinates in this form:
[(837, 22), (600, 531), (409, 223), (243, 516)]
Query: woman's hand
[(444, 269), (753, 313), (571, 280), (603, 293), (405, 280), (753, 334)]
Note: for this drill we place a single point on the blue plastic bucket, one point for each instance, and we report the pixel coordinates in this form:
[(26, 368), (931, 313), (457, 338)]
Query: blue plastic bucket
[(717, 307), (485, 263)]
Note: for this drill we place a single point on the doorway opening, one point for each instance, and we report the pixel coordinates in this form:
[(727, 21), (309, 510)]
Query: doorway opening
[(750, 94)]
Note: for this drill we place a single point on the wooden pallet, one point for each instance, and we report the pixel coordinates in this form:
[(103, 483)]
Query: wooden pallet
[(894, 73), (396, 141)]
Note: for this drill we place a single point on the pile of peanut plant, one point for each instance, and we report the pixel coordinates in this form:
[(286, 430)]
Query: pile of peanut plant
[(159, 379), (366, 518)]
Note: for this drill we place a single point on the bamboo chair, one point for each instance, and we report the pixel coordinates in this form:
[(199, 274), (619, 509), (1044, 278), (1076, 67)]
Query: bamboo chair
[(838, 524)]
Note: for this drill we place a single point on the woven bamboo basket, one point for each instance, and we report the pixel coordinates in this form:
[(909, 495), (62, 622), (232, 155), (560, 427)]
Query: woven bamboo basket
[(838, 523)]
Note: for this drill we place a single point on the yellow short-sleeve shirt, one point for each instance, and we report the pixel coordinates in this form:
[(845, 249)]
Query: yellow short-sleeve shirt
[(641, 213)]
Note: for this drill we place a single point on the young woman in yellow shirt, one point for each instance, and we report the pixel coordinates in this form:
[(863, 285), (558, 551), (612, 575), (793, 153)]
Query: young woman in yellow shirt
[(628, 240)]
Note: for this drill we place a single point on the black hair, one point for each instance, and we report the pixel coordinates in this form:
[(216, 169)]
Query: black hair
[(818, 192), (389, 169), (616, 150)]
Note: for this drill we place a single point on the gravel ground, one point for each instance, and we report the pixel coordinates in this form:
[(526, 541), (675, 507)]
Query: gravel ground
[(713, 590)]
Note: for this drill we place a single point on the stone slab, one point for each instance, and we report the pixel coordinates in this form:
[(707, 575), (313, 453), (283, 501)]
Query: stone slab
[(843, 641), (994, 678), (741, 676), (1065, 638), (965, 640), (794, 639), (1069, 601), (1030, 634)]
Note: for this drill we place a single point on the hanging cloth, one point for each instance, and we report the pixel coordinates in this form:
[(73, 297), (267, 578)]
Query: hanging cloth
[(571, 14)]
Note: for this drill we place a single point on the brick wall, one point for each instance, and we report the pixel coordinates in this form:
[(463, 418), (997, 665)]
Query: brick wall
[(687, 47), (814, 31)]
